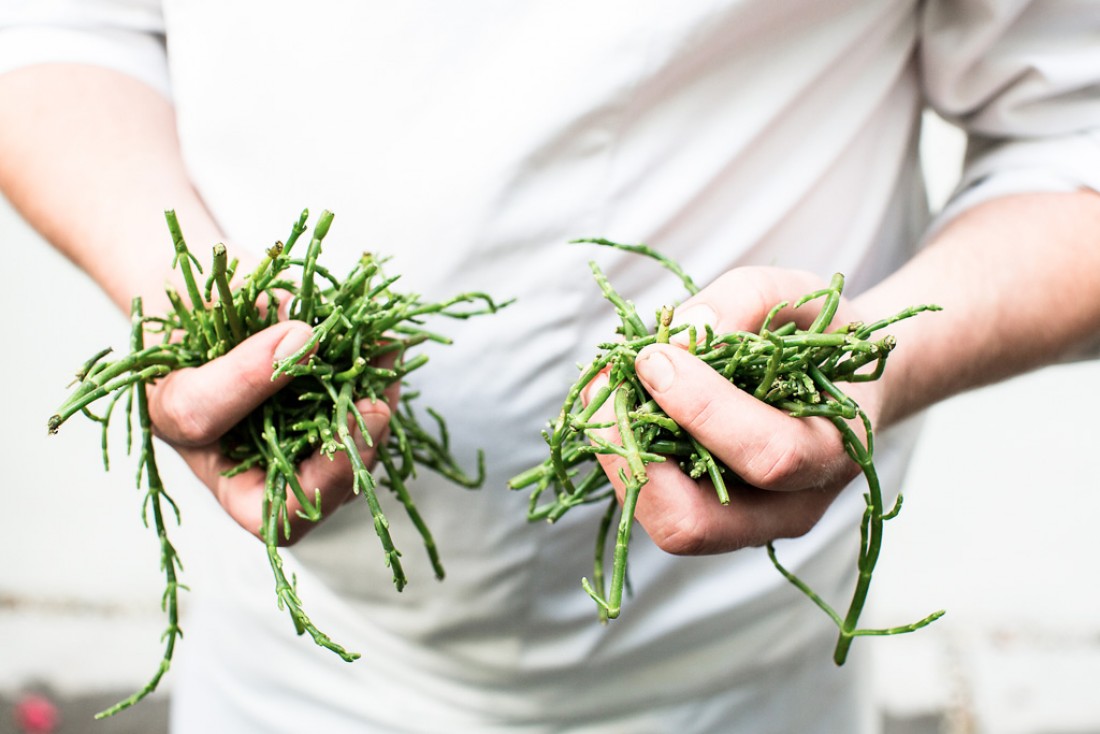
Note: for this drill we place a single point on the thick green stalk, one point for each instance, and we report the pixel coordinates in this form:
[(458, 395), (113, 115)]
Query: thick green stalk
[(397, 484), (183, 261), (365, 485), (307, 305), (274, 514), (225, 293)]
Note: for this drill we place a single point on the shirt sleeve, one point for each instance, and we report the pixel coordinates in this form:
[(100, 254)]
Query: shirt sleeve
[(1022, 78), (124, 35)]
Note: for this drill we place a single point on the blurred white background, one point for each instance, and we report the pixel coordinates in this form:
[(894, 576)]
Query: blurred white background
[(998, 528)]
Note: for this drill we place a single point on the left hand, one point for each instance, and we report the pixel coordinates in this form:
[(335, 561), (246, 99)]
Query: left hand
[(192, 408), (791, 468)]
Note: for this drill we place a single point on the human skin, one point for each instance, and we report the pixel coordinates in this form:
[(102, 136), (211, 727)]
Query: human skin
[(1018, 277)]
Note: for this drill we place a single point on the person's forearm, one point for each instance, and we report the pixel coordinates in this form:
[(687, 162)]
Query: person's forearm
[(91, 159), (1019, 280)]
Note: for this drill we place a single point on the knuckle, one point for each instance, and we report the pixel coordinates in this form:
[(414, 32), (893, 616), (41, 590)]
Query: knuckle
[(256, 382), (698, 416), (776, 466), (684, 536), (185, 422)]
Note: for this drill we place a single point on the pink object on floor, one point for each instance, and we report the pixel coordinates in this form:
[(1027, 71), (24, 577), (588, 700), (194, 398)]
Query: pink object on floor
[(36, 714)]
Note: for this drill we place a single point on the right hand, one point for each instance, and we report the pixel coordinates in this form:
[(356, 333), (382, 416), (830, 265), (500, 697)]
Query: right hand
[(192, 409)]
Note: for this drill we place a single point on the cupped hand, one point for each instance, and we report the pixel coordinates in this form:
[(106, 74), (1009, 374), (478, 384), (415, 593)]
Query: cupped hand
[(790, 469), (193, 408)]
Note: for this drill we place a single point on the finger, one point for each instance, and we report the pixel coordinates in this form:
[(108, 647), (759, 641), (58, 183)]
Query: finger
[(194, 406), (741, 299), (242, 495), (333, 476), (685, 517), (765, 447)]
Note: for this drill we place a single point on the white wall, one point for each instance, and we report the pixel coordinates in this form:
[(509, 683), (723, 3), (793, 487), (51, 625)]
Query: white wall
[(997, 528), (79, 584)]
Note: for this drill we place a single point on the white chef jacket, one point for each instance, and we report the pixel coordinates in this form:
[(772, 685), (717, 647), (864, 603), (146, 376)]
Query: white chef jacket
[(470, 141)]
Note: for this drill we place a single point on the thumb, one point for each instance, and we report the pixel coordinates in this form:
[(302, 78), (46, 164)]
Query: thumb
[(764, 446)]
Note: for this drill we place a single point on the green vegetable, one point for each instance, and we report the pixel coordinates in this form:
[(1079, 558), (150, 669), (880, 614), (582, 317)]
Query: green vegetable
[(792, 369), (359, 322)]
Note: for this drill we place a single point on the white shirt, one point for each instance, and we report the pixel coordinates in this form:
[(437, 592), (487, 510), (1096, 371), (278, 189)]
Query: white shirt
[(470, 141)]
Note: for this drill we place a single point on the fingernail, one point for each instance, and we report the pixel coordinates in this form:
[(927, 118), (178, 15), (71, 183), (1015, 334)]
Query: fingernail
[(292, 341), (700, 316), (656, 370)]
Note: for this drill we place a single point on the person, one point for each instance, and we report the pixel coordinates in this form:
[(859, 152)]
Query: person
[(763, 143)]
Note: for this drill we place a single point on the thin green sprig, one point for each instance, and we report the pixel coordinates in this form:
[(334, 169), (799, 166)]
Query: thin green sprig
[(795, 370), (155, 500), (359, 323)]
